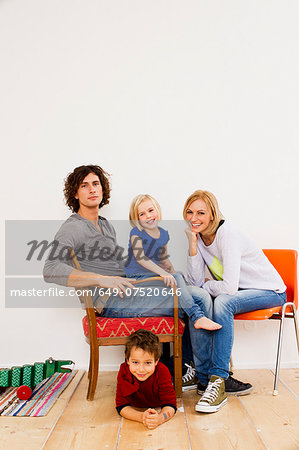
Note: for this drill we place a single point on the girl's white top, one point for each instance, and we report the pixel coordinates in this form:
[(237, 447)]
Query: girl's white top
[(235, 262)]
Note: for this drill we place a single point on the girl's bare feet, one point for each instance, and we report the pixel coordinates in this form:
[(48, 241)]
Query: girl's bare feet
[(207, 324)]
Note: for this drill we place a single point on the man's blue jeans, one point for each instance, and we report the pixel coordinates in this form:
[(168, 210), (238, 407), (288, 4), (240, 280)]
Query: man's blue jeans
[(156, 300), (212, 349)]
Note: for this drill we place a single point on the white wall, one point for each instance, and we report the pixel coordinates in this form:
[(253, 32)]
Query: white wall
[(167, 96)]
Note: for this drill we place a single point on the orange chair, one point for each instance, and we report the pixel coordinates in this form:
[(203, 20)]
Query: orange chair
[(285, 262)]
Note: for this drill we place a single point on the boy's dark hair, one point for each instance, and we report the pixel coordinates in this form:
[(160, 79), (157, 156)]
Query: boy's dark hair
[(75, 178), (146, 340)]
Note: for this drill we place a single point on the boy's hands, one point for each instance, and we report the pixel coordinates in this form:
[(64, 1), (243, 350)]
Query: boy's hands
[(151, 419)]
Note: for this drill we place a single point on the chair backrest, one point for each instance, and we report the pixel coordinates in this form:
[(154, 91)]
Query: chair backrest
[(285, 262)]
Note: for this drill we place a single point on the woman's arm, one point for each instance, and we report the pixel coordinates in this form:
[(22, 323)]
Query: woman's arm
[(231, 251), (144, 261), (192, 241), (195, 262)]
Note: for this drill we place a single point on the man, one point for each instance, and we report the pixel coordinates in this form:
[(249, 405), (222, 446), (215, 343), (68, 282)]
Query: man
[(93, 240)]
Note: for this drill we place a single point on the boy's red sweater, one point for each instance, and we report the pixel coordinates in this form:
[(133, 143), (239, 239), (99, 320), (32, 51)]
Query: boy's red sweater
[(156, 391)]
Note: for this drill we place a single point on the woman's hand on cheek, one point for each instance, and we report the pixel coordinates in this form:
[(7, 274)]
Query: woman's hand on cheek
[(192, 238), (191, 235)]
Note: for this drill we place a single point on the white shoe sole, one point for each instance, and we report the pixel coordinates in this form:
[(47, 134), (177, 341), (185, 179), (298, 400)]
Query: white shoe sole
[(238, 393), (189, 388), (206, 408)]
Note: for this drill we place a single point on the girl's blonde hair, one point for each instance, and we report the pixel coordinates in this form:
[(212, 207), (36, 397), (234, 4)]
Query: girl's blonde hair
[(133, 214), (212, 204)]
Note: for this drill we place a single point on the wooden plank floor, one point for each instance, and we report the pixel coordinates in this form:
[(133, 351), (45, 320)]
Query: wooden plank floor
[(31, 432), (256, 421)]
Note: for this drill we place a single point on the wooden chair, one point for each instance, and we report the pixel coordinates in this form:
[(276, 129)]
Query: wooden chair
[(109, 331), (285, 262)]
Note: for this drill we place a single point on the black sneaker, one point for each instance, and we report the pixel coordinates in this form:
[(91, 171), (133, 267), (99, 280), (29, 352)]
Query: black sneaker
[(189, 380), (236, 387), (201, 388), (232, 387)]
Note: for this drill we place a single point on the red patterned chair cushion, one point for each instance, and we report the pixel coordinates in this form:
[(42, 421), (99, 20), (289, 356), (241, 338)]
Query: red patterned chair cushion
[(124, 327)]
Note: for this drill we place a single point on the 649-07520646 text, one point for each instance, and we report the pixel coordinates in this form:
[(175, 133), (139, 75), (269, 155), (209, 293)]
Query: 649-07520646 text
[(55, 291)]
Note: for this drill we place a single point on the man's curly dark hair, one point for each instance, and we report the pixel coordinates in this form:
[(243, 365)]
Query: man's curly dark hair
[(75, 178)]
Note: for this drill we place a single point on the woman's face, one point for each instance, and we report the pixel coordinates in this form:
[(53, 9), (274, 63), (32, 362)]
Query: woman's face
[(199, 216)]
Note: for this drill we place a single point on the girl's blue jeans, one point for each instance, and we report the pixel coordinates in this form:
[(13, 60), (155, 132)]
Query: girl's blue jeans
[(155, 300), (212, 349)]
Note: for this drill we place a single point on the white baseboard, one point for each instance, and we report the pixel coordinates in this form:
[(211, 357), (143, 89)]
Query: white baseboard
[(286, 365)]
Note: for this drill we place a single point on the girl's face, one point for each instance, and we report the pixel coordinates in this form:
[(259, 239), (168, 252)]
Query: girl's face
[(147, 215), (199, 216)]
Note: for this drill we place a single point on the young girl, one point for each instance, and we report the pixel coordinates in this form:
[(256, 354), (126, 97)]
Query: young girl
[(147, 256)]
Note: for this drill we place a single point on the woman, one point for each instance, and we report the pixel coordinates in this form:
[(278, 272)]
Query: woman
[(243, 280)]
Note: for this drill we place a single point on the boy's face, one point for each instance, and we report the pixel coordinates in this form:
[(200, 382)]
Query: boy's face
[(90, 193), (141, 364)]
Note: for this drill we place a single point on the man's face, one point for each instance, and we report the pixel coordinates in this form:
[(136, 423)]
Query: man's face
[(141, 364), (90, 193)]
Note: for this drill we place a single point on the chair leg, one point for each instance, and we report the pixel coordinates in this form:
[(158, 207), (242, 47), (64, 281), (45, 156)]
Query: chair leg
[(93, 371), (281, 328), (296, 326), (90, 366), (177, 360)]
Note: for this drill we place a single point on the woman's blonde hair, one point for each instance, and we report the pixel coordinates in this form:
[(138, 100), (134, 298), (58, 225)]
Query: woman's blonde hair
[(212, 204), (133, 214)]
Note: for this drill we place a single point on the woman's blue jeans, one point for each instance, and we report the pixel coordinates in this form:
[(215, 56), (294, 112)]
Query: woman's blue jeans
[(212, 349)]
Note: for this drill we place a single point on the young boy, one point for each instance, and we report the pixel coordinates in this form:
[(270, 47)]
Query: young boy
[(144, 382)]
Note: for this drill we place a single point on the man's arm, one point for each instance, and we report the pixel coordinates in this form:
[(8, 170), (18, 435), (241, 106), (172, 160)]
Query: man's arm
[(79, 279), (57, 269)]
